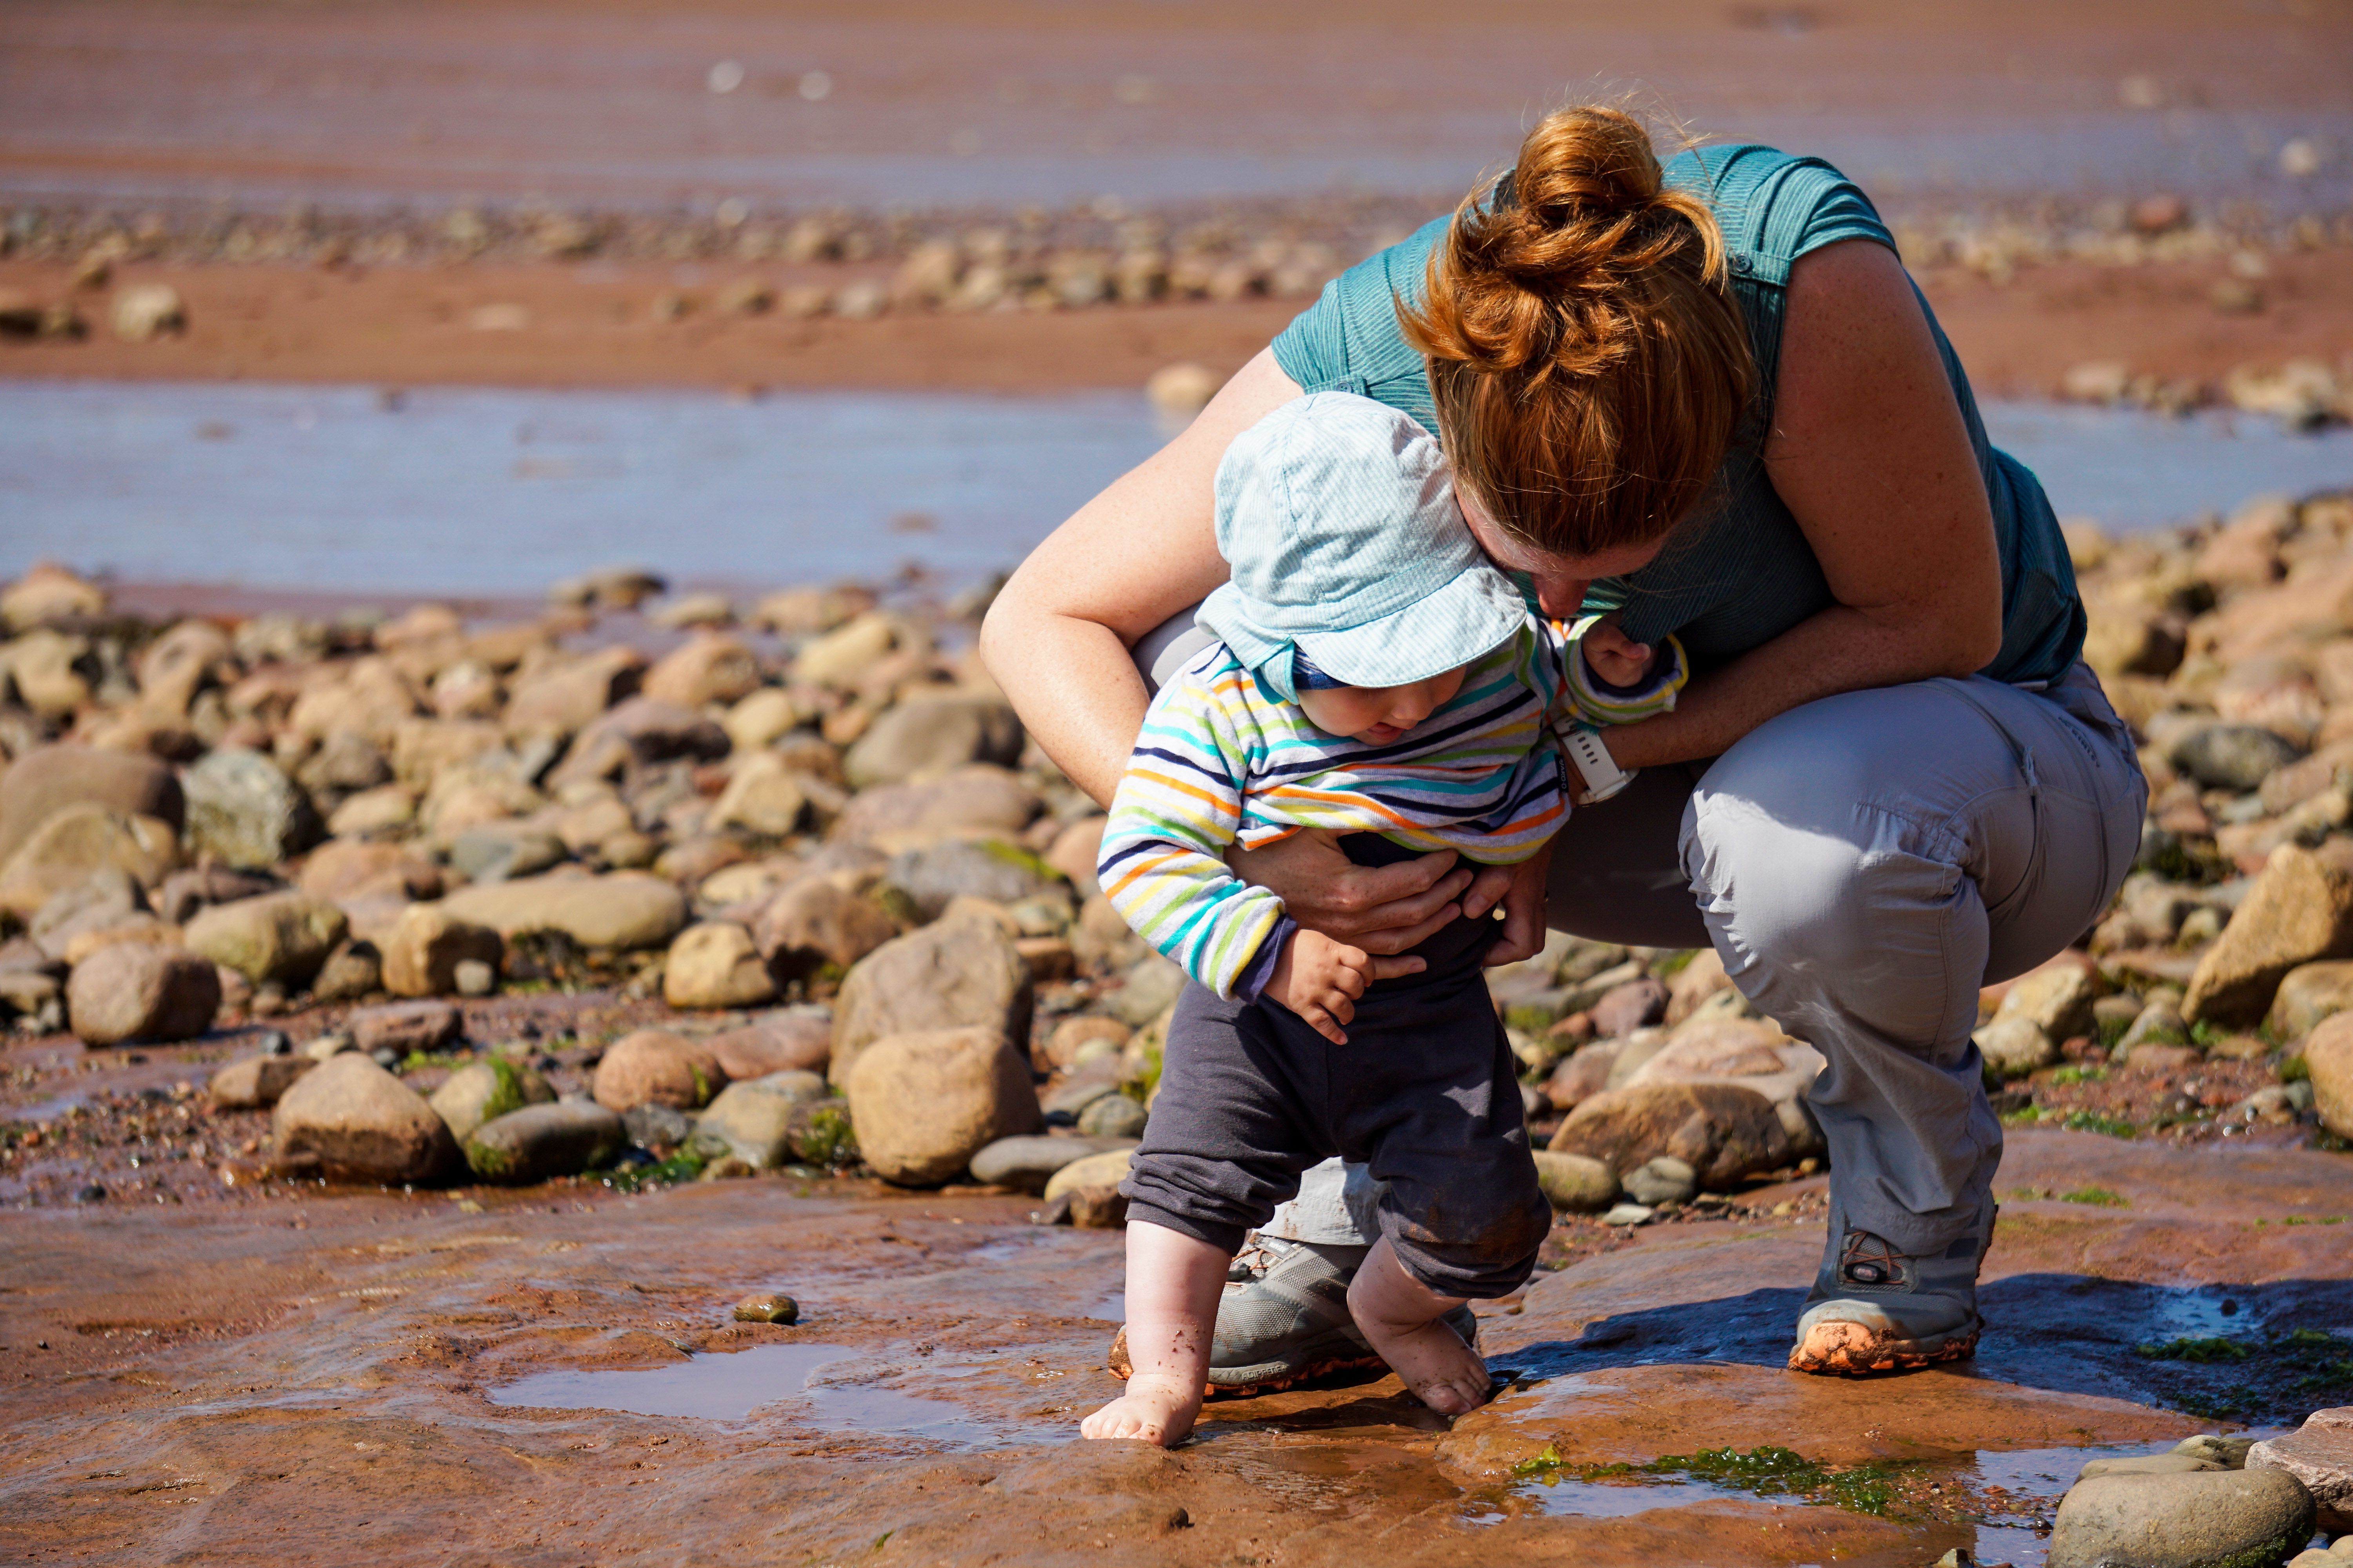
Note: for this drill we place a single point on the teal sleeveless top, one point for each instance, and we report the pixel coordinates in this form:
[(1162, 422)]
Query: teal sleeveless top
[(1743, 574)]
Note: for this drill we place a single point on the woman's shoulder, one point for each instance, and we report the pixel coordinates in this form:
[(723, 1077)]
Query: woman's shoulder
[(1349, 339), (1775, 205)]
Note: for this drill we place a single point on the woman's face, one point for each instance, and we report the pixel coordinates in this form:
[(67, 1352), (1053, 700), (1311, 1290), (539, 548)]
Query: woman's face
[(1561, 580)]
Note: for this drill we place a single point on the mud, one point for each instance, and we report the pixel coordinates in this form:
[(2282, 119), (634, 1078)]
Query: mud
[(592, 324), (361, 1376)]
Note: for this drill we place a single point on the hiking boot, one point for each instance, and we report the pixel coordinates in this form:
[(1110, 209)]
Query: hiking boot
[(1283, 1319), (1873, 1308)]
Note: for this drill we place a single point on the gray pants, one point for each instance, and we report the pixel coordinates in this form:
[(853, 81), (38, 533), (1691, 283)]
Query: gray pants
[(1863, 865)]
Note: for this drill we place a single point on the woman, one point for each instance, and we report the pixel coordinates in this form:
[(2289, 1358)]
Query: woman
[(1711, 399)]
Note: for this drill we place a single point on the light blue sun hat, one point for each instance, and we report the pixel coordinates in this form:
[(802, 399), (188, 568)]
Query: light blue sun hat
[(1336, 517)]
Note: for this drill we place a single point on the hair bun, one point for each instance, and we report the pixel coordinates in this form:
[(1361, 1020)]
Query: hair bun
[(1587, 358), (1583, 164)]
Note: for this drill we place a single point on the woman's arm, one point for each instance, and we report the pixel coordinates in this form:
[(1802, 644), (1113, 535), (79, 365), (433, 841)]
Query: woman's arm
[(1057, 639), (1869, 451)]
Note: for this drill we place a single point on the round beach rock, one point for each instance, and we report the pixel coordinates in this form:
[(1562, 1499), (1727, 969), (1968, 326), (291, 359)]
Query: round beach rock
[(924, 1103), (362, 1124), (539, 1143), (654, 1066), (2183, 1521), (133, 991)]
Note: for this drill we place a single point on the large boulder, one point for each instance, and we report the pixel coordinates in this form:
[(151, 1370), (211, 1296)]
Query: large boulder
[(715, 964), (2329, 1057), (625, 910), (764, 796), (360, 1123), (928, 735), (47, 779), (133, 991), (638, 732), (960, 972), (279, 938), (756, 1118), (539, 1143), (709, 667), (2181, 1521), (971, 802), (565, 698), (2299, 910), (484, 1091), (2308, 993), (818, 924), (405, 1027), (2321, 1455), (73, 843), (790, 1039), (2236, 757), (654, 1066), (244, 813), (938, 874), (2056, 998), (421, 955), (1722, 1132), (102, 901), (925, 1102)]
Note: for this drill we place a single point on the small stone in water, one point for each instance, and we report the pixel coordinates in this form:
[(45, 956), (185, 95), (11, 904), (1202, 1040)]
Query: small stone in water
[(1627, 1213), (767, 1310)]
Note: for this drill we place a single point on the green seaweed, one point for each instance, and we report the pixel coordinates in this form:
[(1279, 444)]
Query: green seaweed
[(2214, 1348), (2073, 1074), (827, 1139), (2294, 1069), (684, 1166), (2099, 1197), (2092, 1121), (1767, 1471)]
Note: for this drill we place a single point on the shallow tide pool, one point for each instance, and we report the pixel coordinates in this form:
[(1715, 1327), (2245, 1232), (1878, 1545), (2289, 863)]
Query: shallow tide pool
[(489, 492)]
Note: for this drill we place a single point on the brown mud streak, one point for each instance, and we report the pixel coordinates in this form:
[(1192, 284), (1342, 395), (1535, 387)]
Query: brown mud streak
[(591, 325), (350, 1421)]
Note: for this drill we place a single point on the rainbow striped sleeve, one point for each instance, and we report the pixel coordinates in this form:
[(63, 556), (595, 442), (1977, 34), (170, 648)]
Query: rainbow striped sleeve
[(1178, 807), (1598, 703)]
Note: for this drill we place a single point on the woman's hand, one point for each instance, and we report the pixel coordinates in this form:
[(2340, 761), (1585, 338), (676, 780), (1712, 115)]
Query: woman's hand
[(1524, 908), (1381, 909)]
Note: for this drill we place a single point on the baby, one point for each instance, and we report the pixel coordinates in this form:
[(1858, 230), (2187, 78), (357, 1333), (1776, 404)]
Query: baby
[(1375, 678)]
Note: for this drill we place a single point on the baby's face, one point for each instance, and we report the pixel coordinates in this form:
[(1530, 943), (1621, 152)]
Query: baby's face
[(1377, 715)]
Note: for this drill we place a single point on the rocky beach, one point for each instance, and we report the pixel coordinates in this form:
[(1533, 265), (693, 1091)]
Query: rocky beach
[(642, 1070)]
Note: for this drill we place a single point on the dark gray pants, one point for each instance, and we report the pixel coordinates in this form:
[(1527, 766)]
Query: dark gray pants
[(1863, 865), (1422, 1097)]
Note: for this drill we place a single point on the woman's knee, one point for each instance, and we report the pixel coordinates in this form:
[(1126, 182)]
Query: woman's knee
[(1796, 895)]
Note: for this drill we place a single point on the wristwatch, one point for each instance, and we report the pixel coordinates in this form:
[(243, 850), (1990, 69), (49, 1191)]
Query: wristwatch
[(1581, 744)]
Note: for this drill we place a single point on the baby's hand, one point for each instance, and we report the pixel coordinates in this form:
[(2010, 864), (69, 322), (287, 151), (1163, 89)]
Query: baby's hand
[(1615, 658), (1319, 980)]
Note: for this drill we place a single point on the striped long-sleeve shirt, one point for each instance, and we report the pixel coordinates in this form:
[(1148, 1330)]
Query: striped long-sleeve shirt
[(1222, 761)]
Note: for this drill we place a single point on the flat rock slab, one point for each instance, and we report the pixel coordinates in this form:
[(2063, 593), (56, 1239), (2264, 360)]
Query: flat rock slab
[(947, 1348)]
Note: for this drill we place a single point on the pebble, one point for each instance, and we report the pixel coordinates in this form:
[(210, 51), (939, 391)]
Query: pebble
[(768, 1310), (1627, 1213)]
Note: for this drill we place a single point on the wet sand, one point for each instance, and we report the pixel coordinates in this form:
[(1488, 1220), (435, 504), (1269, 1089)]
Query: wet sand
[(592, 324), (925, 102), (316, 1376)]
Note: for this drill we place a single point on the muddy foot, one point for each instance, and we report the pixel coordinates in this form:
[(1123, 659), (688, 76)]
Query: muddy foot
[(1154, 1410), (1116, 1361)]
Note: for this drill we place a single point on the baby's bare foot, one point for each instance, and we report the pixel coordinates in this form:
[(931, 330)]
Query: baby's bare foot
[(1153, 1410), (1455, 1395)]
